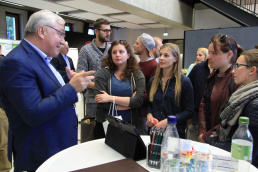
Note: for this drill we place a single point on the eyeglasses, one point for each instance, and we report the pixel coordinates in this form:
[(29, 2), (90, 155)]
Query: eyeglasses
[(60, 34), (236, 66), (223, 37), (106, 30)]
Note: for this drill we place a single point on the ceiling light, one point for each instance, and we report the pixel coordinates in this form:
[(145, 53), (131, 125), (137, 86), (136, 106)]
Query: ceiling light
[(7, 2), (165, 33), (116, 25)]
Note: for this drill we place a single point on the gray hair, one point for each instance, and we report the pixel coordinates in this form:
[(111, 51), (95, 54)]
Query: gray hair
[(62, 46), (42, 17)]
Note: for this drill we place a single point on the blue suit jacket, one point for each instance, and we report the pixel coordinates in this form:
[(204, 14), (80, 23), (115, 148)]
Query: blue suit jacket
[(42, 120)]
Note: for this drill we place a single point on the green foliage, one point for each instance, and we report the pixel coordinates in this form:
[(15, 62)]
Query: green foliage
[(10, 23)]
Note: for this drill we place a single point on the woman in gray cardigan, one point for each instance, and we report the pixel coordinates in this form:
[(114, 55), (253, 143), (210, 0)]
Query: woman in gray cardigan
[(119, 81)]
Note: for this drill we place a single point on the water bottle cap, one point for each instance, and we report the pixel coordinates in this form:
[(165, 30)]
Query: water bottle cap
[(171, 119), (243, 120)]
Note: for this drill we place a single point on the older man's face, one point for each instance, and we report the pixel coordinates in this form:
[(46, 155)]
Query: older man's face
[(64, 50), (54, 39)]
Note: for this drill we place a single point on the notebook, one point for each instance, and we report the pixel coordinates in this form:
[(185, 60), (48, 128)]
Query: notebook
[(124, 165)]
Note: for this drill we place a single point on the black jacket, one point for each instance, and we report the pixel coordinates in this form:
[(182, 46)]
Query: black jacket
[(198, 77), (59, 63)]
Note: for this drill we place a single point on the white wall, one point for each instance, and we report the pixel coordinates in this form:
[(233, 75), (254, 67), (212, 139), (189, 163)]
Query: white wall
[(210, 19), (203, 19)]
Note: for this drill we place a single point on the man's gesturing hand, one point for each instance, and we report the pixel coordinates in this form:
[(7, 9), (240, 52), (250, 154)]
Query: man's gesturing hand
[(81, 80)]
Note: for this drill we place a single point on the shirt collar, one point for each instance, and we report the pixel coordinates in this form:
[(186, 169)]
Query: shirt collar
[(43, 55), (64, 56), (150, 58)]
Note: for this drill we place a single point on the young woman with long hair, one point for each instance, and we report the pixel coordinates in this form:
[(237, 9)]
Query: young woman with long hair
[(169, 91), (121, 82)]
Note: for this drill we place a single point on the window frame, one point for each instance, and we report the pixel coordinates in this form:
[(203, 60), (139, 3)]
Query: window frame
[(17, 25)]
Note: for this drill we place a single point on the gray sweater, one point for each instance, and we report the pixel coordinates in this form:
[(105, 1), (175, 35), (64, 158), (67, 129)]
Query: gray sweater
[(102, 83), (90, 58)]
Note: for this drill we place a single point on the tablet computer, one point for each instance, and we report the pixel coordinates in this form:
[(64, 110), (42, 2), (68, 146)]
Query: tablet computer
[(124, 138)]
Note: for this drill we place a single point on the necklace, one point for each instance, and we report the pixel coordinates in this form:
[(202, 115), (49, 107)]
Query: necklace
[(166, 87)]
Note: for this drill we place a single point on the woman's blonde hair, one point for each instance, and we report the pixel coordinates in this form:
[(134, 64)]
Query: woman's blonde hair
[(203, 51), (175, 71)]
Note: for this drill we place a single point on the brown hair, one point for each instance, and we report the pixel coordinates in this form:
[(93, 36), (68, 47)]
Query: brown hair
[(97, 24), (131, 67), (251, 57), (226, 43)]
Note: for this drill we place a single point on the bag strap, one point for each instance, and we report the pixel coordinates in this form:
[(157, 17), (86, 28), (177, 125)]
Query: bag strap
[(113, 107)]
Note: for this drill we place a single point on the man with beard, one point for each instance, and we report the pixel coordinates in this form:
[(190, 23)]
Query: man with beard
[(90, 58)]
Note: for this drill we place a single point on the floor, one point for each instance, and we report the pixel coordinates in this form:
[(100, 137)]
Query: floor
[(80, 111)]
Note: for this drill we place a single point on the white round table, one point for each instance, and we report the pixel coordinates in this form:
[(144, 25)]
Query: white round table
[(96, 152)]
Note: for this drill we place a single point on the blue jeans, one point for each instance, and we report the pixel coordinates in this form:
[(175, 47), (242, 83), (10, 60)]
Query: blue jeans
[(91, 109)]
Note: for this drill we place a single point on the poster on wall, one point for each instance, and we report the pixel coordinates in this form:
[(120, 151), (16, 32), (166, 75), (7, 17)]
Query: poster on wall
[(8, 45)]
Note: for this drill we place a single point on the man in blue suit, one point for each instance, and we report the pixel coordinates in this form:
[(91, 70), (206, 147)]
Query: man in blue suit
[(39, 105)]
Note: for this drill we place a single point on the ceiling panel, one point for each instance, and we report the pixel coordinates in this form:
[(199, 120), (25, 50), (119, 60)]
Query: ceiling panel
[(129, 25), (40, 4), (93, 17), (132, 18), (156, 25), (93, 11), (90, 6)]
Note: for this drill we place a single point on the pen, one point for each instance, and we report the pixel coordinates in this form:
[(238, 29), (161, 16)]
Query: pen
[(153, 139), (154, 152), (159, 148)]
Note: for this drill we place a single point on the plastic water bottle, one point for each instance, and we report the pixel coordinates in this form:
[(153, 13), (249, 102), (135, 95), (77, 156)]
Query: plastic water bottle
[(170, 147), (242, 141)]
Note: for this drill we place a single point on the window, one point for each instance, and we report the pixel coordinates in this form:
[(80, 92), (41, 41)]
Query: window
[(69, 27), (12, 26), (90, 31)]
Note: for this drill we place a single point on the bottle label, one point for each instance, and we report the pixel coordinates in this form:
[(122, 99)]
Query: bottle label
[(242, 152)]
